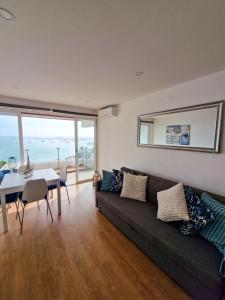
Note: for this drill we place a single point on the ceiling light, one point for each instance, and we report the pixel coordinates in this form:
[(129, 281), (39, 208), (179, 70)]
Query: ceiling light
[(6, 14), (138, 74)]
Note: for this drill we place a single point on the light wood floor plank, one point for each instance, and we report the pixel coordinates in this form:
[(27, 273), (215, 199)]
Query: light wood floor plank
[(79, 256)]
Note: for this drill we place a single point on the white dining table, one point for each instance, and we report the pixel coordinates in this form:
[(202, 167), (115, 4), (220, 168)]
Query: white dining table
[(15, 182)]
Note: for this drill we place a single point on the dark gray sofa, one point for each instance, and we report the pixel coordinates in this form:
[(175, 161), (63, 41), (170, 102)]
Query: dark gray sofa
[(191, 261)]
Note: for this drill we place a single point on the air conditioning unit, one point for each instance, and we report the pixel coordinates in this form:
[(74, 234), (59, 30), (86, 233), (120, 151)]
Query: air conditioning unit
[(111, 111)]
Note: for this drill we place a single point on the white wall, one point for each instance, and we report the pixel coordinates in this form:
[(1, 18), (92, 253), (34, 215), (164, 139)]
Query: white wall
[(118, 137)]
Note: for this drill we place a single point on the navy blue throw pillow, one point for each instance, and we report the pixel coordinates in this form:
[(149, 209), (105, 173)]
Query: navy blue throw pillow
[(200, 214), (117, 181), (106, 181)]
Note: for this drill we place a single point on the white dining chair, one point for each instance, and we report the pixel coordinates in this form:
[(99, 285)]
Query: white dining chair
[(63, 179), (34, 190)]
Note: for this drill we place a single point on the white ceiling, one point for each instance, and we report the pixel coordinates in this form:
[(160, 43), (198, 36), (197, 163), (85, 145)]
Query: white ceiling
[(87, 52)]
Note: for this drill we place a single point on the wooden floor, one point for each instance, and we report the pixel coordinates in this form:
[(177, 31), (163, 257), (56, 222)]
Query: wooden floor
[(79, 256)]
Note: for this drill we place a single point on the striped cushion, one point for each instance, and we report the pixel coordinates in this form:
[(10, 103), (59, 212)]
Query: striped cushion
[(215, 231)]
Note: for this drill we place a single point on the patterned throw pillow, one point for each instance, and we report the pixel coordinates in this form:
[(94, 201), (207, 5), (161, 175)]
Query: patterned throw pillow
[(117, 181), (172, 204), (200, 214), (215, 231), (106, 181)]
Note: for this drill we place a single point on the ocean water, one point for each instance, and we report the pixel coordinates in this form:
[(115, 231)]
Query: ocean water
[(9, 146), (44, 149)]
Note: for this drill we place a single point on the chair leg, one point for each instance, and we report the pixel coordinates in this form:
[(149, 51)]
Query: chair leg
[(67, 194), (17, 209), (38, 205), (48, 196), (48, 208), (21, 222)]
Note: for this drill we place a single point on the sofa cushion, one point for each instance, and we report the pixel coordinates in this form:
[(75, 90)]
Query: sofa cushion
[(215, 231), (172, 204), (117, 181), (200, 214), (106, 181), (134, 187), (194, 254)]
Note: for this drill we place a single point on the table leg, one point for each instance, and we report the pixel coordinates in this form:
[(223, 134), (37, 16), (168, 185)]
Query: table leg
[(4, 213), (59, 197)]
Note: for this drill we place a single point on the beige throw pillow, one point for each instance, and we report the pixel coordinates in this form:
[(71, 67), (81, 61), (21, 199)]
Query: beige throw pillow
[(172, 204), (134, 187)]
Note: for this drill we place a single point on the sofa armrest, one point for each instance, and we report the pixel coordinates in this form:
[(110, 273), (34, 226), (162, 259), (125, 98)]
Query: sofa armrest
[(98, 185)]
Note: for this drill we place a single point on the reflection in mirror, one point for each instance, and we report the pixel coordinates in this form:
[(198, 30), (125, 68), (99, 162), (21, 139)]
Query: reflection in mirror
[(192, 128)]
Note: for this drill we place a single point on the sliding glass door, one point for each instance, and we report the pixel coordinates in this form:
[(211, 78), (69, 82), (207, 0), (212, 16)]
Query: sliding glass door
[(85, 138), (50, 142)]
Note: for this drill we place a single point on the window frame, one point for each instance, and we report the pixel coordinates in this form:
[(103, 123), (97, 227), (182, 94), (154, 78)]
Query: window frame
[(9, 111)]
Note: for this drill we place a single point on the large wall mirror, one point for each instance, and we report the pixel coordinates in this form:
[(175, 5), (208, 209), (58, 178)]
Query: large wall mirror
[(194, 128)]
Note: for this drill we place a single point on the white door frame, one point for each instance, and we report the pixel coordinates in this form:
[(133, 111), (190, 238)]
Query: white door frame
[(76, 149)]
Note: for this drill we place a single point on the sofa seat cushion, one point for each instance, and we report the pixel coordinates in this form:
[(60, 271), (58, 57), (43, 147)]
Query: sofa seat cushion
[(196, 255)]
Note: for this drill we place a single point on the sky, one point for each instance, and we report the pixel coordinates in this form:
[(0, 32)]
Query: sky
[(42, 127)]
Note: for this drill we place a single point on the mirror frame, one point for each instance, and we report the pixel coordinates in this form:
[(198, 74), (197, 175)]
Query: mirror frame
[(219, 122)]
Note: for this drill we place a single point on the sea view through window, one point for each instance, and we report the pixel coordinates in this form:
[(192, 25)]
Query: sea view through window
[(47, 140)]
